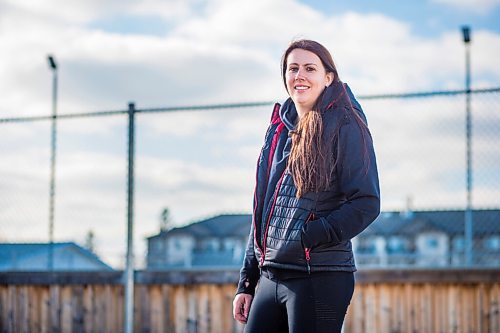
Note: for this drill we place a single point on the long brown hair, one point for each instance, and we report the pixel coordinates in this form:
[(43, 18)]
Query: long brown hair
[(310, 161)]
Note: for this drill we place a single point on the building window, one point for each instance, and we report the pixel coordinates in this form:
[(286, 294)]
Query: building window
[(396, 245), (458, 244), (493, 243), (229, 244), (366, 246), (210, 244), (432, 242), (157, 245)]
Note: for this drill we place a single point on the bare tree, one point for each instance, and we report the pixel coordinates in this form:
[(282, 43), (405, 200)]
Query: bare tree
[(90, 241), (165, 221)]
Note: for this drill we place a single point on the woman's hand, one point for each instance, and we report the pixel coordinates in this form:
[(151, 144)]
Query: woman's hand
[(317, 232), (241, 307)]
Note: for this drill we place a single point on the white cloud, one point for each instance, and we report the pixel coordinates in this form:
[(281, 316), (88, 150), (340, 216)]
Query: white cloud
[(171, 9), (65, 11), (81, 12), (260, 22), (478, 6), (204, 61)]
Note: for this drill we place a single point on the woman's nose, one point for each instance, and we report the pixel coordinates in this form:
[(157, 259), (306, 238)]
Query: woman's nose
[(298, 74)]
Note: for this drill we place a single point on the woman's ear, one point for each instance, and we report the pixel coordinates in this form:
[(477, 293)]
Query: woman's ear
[(329, 79)]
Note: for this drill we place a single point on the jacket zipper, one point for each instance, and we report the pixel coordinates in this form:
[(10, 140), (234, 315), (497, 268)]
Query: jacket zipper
[(263, 251), (308, 259), (307, 251)]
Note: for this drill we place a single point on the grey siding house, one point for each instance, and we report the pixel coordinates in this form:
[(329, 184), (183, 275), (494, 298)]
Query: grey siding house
[(219, 241), (429, 238), (411, 238)]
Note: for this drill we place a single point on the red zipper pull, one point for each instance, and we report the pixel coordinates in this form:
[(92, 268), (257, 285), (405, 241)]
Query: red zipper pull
[(307, 251), (308, 259)]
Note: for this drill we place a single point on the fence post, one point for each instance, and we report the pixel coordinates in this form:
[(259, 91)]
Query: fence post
[(129, 270), (53, 138), (468, 231)]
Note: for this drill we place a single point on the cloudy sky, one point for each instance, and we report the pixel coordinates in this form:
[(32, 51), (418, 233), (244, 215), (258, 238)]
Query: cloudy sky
[(194, 52)]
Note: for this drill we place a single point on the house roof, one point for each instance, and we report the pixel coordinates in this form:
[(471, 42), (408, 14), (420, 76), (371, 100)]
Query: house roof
[(22, 251), (221, 226), (451, 222)]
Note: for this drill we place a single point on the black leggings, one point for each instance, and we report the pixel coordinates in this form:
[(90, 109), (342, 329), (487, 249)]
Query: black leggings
[(314, 304)]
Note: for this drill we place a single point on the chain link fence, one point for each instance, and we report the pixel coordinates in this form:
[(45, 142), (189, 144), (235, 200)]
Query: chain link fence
[(421, 146), (200, 162)]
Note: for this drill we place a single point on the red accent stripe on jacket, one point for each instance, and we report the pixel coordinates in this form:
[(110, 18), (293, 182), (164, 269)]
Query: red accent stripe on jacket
[(271, 211), (275, 117), (274, 143)]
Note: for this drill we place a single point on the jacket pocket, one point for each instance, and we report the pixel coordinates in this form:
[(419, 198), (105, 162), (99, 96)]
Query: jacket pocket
[(284, 241)]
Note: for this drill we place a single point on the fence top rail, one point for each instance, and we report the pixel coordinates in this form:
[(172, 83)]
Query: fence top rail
[(431, 93), (233, 105), (220, 276)]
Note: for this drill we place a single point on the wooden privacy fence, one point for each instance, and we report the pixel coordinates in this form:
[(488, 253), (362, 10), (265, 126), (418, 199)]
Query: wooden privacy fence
[(385, 301)]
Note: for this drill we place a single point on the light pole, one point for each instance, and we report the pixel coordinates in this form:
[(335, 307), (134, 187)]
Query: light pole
[(129, 269), (468, 132), (53, 67)]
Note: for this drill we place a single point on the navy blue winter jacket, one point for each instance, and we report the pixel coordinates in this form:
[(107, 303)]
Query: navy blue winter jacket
[(312, 233)]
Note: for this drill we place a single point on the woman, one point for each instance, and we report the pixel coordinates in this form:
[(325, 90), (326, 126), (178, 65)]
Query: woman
[(317, 187)]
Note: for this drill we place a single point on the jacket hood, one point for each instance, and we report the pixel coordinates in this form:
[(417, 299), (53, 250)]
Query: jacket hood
[(332, 94), (288, 114)]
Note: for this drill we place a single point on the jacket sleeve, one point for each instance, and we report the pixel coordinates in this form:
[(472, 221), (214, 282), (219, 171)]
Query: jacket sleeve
[(250, 272), (358, 183)]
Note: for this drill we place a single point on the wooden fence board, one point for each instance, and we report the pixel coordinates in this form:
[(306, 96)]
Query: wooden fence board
[(413, 305), (167, 292), (227, 307), (44, 309), (23, 305), (384, 294), (399, 308), (3, 308), (494, 306), (202, 309), (11, 309), (483, 319), (66, 316), (89, 309), (215, 308), (428, 306), (103, 308), (77, 305), (35, 313), (145, 309), (180, 300), (191, 320), (55, 309), (157, 311)]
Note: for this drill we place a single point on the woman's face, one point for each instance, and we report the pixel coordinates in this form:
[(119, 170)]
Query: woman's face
[(306, 78)]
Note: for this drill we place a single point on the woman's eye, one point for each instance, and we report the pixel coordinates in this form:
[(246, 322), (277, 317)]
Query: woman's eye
[(293, 69), (310, 69)]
